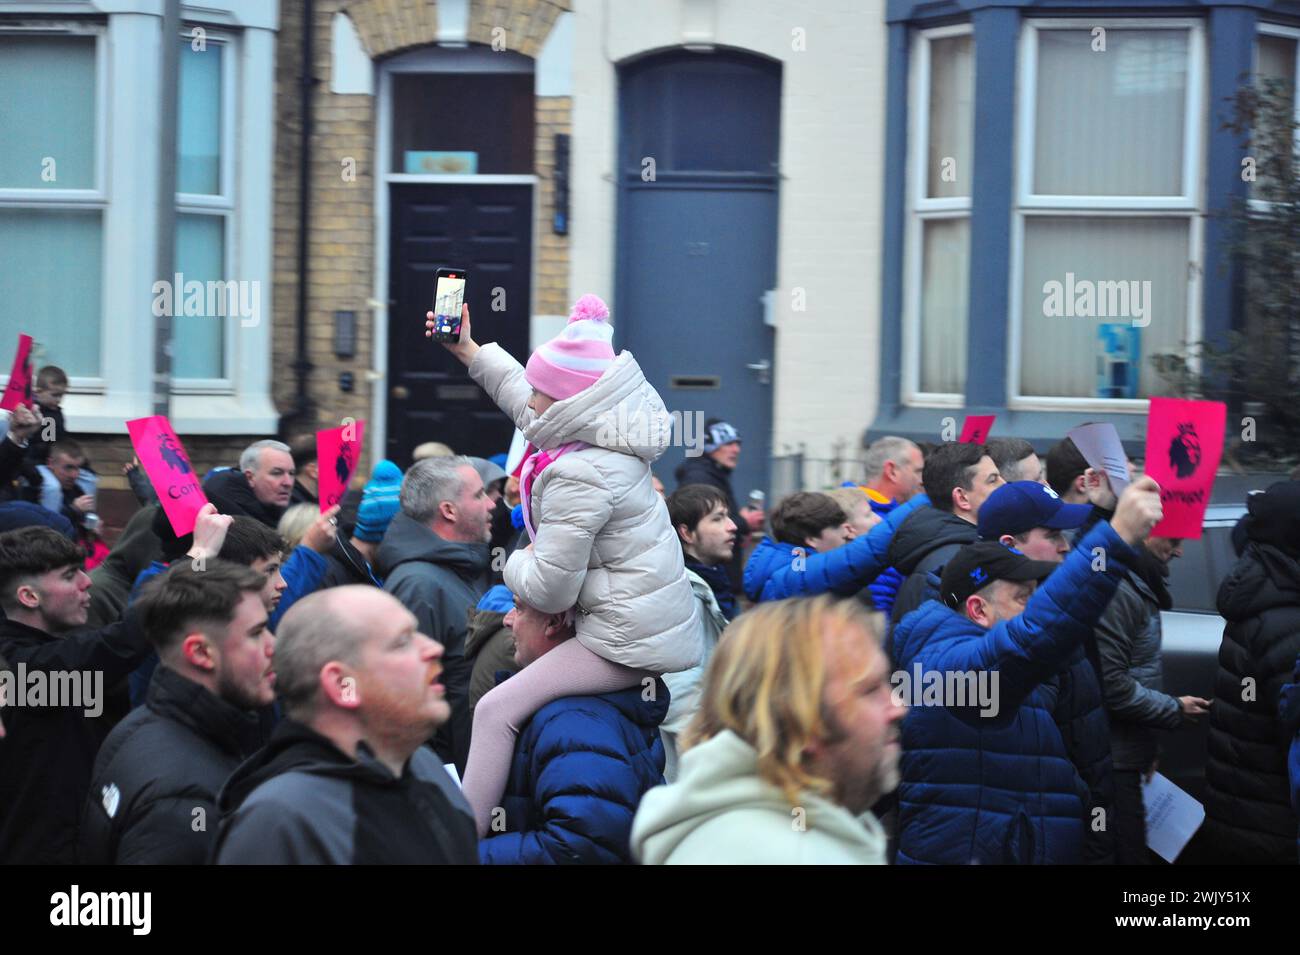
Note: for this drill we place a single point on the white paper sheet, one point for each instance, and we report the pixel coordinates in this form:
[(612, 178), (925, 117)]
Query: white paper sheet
[(1172, 817), (1101, 448)]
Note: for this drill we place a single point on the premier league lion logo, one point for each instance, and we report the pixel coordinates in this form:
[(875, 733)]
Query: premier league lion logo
[(1185, 451), (173, 455)]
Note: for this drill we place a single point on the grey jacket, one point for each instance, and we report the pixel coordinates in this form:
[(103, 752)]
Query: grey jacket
[(1128, 645), (439, 581)]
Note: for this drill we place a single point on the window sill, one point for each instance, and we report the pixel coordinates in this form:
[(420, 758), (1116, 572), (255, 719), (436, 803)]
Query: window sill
[(190, 414)]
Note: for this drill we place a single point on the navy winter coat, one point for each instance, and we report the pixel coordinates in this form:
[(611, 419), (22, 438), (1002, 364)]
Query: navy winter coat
[(1003, 788), (775, 571), (580, 768)]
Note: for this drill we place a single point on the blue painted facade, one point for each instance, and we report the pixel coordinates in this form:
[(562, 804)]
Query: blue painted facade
[(1230, 30)]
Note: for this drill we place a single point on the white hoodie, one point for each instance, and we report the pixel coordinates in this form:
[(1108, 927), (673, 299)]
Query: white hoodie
[(720, 812)]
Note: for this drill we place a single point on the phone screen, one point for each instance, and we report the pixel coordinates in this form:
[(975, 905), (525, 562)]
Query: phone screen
[(448, 298)]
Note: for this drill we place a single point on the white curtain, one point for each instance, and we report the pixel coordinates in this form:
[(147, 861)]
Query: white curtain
[(945, 288), (198, 340), (1110, 123), (47, 110), (951, 111), (51, 284), (1060, 355), (198, 123)]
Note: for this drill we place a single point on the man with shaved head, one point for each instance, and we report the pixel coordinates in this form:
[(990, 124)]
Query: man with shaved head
[(346, 778)]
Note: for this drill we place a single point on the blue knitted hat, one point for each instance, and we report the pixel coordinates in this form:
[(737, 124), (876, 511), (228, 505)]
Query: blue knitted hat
[(379, 502)]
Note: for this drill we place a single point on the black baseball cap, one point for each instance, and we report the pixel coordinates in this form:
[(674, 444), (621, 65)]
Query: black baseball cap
[(977, 565)]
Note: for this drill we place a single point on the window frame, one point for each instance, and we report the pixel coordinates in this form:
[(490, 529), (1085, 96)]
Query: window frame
[(1189, 205), (922, 208), (225, 204), (93, 199), (1264, 28)]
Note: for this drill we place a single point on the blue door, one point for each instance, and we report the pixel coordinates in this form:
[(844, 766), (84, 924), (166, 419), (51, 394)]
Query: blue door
[(698, 151)]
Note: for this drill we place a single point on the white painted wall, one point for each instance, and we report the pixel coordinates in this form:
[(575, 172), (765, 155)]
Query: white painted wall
[(832, 144)]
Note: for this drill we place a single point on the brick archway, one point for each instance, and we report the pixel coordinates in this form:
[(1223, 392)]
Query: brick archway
[(386, 27)]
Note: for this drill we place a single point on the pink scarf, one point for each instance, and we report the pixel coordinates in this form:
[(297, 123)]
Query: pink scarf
[(533, 466)]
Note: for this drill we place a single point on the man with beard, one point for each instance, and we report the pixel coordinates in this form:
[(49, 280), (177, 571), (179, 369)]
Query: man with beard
[(153, 793), (45, 769)]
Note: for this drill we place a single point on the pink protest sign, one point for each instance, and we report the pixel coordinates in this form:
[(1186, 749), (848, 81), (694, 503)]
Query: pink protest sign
[(169, 469), (975, 429), (19, 389), (338, 450), (1184, 445)]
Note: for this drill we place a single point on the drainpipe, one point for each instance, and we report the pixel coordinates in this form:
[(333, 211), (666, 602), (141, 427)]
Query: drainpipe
[(304, 411)]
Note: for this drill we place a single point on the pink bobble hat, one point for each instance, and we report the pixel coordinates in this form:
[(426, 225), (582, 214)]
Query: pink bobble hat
[(574, 359)]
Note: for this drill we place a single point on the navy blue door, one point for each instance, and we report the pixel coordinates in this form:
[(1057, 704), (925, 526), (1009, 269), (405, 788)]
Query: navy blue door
[(698, 151)]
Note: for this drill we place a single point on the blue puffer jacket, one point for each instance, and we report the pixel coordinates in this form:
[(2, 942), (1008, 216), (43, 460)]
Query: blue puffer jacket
[(1288, 713), (580, 768), (775, 571), (1003, 788)]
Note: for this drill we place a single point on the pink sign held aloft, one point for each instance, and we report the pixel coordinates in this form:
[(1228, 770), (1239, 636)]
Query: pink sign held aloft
[(19, 390), (168, 466), (975, 429), (338, 451), (1184, 445)]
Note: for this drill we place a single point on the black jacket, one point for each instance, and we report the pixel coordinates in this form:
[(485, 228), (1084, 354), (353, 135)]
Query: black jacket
[(1247, 799), (47, 756), (301, 495), (1129, 638), (440, 581), (137, 547), (300, 800), (347, 566), (38, 449), (232, 494), (704, 470), (153, 795), (12, 458), (924, 543)]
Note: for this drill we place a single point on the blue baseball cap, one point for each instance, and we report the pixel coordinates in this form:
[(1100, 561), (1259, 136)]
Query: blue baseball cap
[(1023, 505)]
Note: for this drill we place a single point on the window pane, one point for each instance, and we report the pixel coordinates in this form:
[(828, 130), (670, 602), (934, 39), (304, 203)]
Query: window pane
[(1100, 297), (952, 85), (1276, 58), (198, 340), (1275, 78), (50, 286), (47, 112), (463, 123), (945, 290), (198, 131), (693, 113), (1110, 123)]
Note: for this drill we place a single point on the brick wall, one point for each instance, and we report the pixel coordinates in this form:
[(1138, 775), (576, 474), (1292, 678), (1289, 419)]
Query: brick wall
[(341, 225), (551, 257)]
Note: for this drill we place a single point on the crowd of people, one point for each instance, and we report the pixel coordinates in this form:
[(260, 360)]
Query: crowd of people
[(956, 660)]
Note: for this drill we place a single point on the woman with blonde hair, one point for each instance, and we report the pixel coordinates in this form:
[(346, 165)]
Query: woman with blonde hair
[(295, 522), (795, 739)]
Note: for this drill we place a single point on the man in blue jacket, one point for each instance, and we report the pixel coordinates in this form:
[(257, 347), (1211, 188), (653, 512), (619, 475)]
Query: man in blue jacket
[(1032, 519), (581, 764), (808, 556), (991, 781)]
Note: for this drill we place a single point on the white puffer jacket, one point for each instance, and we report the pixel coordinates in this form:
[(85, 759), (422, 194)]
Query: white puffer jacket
[(604, 540)]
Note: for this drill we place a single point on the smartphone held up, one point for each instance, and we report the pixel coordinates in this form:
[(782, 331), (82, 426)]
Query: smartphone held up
[(448, 298)]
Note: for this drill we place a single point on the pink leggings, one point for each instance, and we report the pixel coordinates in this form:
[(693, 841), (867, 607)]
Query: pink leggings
[(568, 670)]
